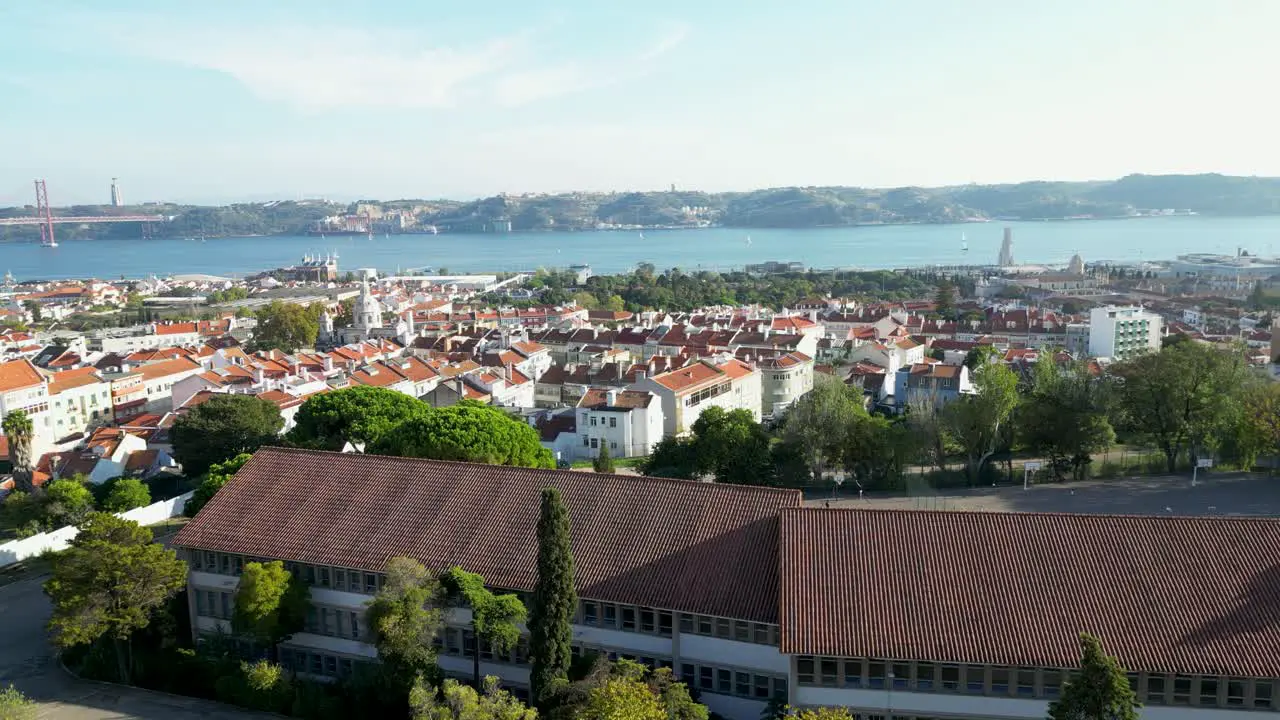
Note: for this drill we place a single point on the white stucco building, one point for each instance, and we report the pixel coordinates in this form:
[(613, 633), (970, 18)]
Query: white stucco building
[(1123, 332)]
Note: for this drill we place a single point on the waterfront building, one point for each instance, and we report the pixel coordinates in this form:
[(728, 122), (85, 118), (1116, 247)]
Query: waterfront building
[(1123, 332), (748, 596)]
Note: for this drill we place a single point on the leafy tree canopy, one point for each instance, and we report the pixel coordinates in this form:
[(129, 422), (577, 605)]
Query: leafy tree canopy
[(218, 475), (455, 701), (1099, 690), (404, 618), (360, 415), (126, 493), (468, 432), (287, 326), (271, 604), (221, 428)]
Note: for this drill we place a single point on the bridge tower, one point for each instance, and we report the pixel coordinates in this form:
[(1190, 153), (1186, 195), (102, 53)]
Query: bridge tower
[(45, 214)]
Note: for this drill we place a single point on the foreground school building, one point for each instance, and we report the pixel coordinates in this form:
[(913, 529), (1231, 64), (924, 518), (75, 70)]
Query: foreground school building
[(748, 596)]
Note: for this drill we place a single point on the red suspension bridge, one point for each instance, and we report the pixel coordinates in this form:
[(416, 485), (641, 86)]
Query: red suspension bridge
[(45, 218)]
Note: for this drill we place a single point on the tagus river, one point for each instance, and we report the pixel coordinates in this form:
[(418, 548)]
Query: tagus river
[(870, 247)]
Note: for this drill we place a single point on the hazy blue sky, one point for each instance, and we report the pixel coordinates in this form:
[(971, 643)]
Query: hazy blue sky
[(216, 101)]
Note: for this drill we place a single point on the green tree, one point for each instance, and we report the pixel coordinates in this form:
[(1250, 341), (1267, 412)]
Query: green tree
[(1099, 691), (214, 479), (1065, 415), (221, 428), (672, 457), (944, 300), (287, 326), (603, 463), (554, 600), (404, 619), (822, 714), (358, 415), (732, 446), (615, 303), (494, 618), (271, 603), (975, 421), (1181, 398), (1259, 427), (126, 493), (15, 706), (108, 583), (260, 685), (621, 698), (819, 421), (467, 431), (33, 307), (979, 356), (456, 701), (20, 433), (67, 501), (23, 512)]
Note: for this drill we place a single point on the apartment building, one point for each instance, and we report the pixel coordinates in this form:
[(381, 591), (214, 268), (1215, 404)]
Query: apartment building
[(80, 399), (158, 379), (628, 422), (1123, 332), (749, 596), (23, 387), (784, 380), (685, 392)]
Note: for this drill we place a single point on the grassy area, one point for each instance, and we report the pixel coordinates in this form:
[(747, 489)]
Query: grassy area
[(168, 527), (631, 462)]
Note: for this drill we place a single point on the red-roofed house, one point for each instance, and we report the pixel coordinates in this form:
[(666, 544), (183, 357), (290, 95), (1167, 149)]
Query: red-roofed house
[(629, 422), (23, 387), (784, 379), (686, 392)]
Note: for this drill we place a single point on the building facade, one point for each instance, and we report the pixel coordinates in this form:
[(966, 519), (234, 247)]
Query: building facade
[(784, 380), (1123, 332), (749, 596), (628, 422), (686, 392)]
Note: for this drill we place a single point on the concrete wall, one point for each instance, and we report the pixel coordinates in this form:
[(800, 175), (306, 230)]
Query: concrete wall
[(18, 550)]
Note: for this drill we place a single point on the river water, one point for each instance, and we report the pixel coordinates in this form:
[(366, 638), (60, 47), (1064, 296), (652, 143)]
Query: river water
[(615, 251)]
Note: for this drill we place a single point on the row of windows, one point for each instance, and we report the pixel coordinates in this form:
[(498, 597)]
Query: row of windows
[(613, 421), (627, 618), (707, 394), (740, 630), (732, 681), (460, 642), (1151, 689), (594, 443), (214, 604), (314, 663), (356, 581), (333, 622)]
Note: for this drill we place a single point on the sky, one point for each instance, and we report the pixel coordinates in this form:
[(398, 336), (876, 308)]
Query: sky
[(242, 100)]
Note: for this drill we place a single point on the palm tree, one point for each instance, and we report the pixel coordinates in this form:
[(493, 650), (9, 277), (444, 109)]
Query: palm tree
[(17, 427)]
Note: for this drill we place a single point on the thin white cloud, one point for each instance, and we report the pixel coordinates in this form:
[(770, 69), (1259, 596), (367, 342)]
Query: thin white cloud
[(319, 68)]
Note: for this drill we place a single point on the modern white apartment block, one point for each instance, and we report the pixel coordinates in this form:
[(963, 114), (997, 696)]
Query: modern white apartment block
[(23, 387), (749, 596), (730, 384), (1123, 332), (784, 380)]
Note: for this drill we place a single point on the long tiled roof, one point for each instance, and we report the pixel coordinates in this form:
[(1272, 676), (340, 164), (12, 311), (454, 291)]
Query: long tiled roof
[(1165, 594), (674, 544)]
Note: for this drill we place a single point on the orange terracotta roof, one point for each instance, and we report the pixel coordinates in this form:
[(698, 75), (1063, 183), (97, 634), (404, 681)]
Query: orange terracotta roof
[(69, 379), (19, 374), (151, 371)]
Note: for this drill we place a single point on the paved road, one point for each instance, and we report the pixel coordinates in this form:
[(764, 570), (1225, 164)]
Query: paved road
[(27, 661), (1225, 494)]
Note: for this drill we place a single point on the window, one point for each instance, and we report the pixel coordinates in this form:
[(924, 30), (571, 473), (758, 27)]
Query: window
[(704, 625), (853, 673), (722, 628), (876, 674), (370, 583), (742, 684), (975, 678), (339, 579), (595, 443), (804, 670), (1262, 694), (345, 667), (613, 422), (1235, 693), (593, 422), (330, 665), (647, 621), (1208, 691), (999, 681), (723, 681), (950, 677), (780, 688), (610, 615), (924, 676), (309, 574), (613, 445), (704, 678), (901, 676), (629, 619), (762, 634), (830, 672), (1027, 683), (1156, 689), (742, 631), (664, 624), (324, 577), (590, 613), (686, 623), (225, 562), (1181, 691), (1052, 683), (586, 442), (311, 618), (687, 674), (316, 666), (200, 606), (226, 604)]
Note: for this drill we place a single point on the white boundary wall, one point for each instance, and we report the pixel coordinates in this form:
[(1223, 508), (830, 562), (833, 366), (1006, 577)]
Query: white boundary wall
[(18, 550)]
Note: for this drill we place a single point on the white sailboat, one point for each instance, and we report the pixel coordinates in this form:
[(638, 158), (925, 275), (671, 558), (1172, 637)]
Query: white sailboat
[(641, 234), (748, 239), (964, 243)]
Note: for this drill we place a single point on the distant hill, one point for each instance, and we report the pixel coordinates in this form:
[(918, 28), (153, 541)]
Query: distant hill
[(794, 207)]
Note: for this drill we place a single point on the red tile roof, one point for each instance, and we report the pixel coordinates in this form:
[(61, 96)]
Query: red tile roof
[(164, 368), (1182, 595), (69, 379), (18, 374), (673, 544)]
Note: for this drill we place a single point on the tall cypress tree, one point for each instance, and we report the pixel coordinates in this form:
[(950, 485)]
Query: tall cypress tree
[(554, 600), (1099, 690)]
